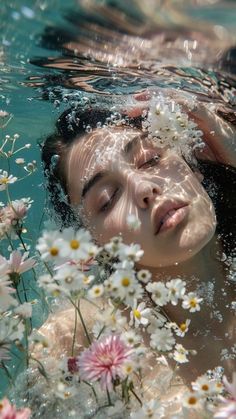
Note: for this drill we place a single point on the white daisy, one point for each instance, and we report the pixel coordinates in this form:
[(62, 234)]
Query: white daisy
[(114, 245), (191, 400), (191, 302), (162, 339), (5, 179), (112, 319), (76, 245), (131, 338), (135, 293), (122, 281), (203, 386), (139, 315), (69, 278), (159, 293), (182, 329), (180, 354), (96, 291), (176, 289), (131, 252), (48, 246), (144, 276), (133, 222)]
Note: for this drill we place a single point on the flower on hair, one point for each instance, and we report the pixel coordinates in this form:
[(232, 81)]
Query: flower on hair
[(176, 289), (6, 179), (162, 340), (159, 292), (139, 315), (103, 361), (152, 409), (9, 411), (144, 276), (180, 354), (191, 302)]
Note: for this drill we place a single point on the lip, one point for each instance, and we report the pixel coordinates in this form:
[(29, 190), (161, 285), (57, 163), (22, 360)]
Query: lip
[(159, 213)]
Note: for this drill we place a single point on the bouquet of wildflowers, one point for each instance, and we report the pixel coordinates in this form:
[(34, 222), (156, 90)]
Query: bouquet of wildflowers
[(131, 326)]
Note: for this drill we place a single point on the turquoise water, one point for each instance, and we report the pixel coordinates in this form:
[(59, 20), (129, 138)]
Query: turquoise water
[(35, 101)]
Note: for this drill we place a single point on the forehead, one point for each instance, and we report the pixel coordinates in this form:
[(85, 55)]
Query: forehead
[(94, 151)]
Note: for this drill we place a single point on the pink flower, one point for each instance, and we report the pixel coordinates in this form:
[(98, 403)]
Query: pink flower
[(72, 364), (8, 411), (228, 408), (104, 360), (18, 263)]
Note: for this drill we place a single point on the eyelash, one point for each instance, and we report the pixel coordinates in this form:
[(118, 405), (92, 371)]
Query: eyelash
[(107, 205), (151, 162)]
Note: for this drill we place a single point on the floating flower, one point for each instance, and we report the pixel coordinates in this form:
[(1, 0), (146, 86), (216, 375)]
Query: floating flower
[(144, 276), (191, 302), (191, 400), (159, 293), (131, 338), (162, 339), (104, 360), (139, 315), (176, 288), (133, 222), (8, 411), (18, 263), (131, 252), (5, 179), (96, 291), (24, 310), (48, 246), (121, 282), (76, 245), (69, 278), (182, 329), (152, 409), (6, 300), (180, 354)]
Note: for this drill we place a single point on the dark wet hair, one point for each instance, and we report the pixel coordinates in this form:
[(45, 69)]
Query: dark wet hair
[(73, 124)]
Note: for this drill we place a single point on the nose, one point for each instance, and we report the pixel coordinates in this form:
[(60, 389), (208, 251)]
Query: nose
[(146, 193)]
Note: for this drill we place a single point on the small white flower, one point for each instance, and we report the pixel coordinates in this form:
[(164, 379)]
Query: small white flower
[(48, 245), (157, 320), (203, 386), (69, 278), (131, 338), (112, 319), (159, 293), (162, 339), (24, 310), (182, 329), (76, 245), (11, 329), (152, 409), (191, 400), (180, 354), (139, 315), (6, 300), (131, 252), (122, 281), (144, 276), (191, 301), (128, 368), (176, 289), (113, 246), (5, 179), (96, 291), (133, 222)]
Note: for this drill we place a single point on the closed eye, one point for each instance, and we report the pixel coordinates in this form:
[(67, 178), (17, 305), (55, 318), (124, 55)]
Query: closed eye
[(151, 162), (108, 204)]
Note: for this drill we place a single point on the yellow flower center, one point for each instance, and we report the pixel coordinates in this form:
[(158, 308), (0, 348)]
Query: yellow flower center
[(205, 387), (74, 244), (4, 180), (192, 400), (54, 251), (129, 369), (69, 279), (125, 282), (67, 394), (85, 279), (97, 291), (183, 327), (193, 303), (137, 314)]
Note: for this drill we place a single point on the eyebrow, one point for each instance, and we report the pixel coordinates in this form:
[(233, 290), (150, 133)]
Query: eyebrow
[(128, 148)]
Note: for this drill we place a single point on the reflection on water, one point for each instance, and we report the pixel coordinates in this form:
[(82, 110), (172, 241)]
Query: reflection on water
[(97, 55)]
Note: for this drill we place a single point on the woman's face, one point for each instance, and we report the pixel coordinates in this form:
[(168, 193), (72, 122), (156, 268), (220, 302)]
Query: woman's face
[(112, 173)]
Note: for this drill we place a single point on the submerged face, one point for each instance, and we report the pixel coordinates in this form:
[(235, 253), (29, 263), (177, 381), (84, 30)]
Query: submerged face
[(112, 173)]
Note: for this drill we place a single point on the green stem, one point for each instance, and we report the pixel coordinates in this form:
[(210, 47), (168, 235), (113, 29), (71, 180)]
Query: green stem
[(74, 333), (136, 396), (109, 398), (93, 390), (81, 319)]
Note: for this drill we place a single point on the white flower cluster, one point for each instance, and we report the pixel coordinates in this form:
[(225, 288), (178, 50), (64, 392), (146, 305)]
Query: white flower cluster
[(169, 126)]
